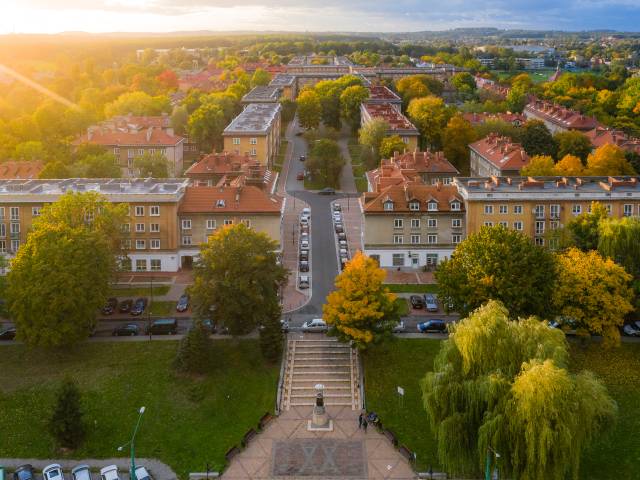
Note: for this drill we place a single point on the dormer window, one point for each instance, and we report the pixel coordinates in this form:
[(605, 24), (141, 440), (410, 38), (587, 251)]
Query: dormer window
[(455, 206), (432, 206), (220, 203), (414, 205), (388, 205)]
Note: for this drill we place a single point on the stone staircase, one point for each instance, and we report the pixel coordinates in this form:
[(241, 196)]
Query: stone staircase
[(320, 359)]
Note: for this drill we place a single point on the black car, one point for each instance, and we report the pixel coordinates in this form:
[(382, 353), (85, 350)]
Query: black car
[(416, 301), (110, 306), (8, 333), (327, 191), (24, 472), (302, 158), (339, 228), (130, 330), (139, 306), (125, 306), (163, 326), (183, 303), (434, 325), (304, 266)]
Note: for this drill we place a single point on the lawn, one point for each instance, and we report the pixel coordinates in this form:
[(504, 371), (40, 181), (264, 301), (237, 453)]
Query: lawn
[(404, 362), (143, 291), (189, 421), (537, 76), (279, 160), (412, 287), (163, 308), (314, 184), (403, 306)]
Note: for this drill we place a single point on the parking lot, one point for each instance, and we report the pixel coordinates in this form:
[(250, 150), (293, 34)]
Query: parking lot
[(87, 469)]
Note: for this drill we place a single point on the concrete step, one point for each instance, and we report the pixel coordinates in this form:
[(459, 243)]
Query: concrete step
[(326, 395), (331, 366), (321, 358), (330, 374), (328, 383), (329, 403), (330, 388)]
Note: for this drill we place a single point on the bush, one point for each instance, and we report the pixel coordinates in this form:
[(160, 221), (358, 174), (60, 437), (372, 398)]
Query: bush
[(66, 424), (193, 352), (271, 339)]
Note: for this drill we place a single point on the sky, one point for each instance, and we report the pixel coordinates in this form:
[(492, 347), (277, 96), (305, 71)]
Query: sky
[(54, 16)]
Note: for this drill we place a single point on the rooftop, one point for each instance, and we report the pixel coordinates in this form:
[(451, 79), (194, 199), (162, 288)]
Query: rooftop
[(128, 136), (501, 152), (380, 93), (228, 166), (404, 194), (255, 118), (234, 199), (263, 94), (561, 116), (17, 170), (600, 136), (135, 122), (396, 120), (319, 61), (282, 80)]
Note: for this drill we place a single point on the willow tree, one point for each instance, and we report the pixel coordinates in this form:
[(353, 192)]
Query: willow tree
[(619, 239), (503, 386)]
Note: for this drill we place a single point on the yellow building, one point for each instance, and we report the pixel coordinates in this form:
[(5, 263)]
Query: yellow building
[(255, 132), (288, 85), (537, 206)]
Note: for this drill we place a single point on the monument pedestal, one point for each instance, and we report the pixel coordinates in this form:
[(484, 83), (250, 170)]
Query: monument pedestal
[(320, 421)]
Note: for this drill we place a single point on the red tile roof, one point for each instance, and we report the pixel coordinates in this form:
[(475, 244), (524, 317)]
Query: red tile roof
[(512, 118), (146, 137), (219, 163), (380, 92), (139, 122), (501, 152), (401, 195), (561, 116), (233, 199), (20, 170), (600, 136), (386, 111)]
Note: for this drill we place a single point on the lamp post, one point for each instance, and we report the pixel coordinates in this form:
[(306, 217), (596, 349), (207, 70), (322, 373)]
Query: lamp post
[(487, 470), (131, 443)]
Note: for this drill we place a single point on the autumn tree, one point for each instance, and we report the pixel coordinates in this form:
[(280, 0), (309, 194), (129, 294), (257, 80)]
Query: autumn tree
[(371, 135), (608, 160), (137, 103), (574, 143), (180, 119), (350, 100), (71, 253), (430, 115), (539, 166), (309, 109), (491, 265), (168, 79), (391, 144), (417, 86), (516, 99), (491, 377), (153, 165), (361, 309), (619, 240), (325, 162), (594, 291), (103, 165), (456, 137), (238, 277), (583, 231), (570, 166), (464, 84), (260, 78), (537, 140), (206, 125)]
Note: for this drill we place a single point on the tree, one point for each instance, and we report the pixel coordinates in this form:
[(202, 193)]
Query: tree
[(491, 377), (260, 78), (464, 83), (417, 86), (570, 166), (608, 160), (238, 276), (153, 165), (456, 137), (168, 79), (70, 254), (206, 125), (583, 230), (66, 424), (309, 109), (489, 265), (618, 240), (430, 115), (361, 309), (179, 119), (194, 351), (537, 140), (372, 134), (288, 110), (137, 103), (392, 144), (594, 291), (350, 100), (539, 166), (30, 151), (516, 99), (97, 166), (55, 169), (271, 336), (326, 161), (572, 143)]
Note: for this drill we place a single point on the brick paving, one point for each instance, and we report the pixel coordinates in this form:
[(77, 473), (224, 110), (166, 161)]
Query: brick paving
[(395, 276)]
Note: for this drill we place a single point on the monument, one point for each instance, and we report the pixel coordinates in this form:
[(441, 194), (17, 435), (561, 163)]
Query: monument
[(320, 421)]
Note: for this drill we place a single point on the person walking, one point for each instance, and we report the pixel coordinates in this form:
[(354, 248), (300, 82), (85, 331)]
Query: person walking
[(365, 424), (360, 420)]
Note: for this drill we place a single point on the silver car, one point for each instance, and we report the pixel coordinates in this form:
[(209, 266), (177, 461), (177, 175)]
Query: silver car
[(52, 472), (315, 325), (81, 472)]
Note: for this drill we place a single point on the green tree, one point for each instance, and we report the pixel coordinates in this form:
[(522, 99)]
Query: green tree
[(97, 166), (70, 254), (260, 78), (464, 83), (489, 265), (238, 276), (326, 161), (180, 119), (271, 336), (539, 166), (288, 110), (350, 100), (618, 240), (194, 351), (372, 134), (309, 109), (206, 125), (491, 377), (153, 165), (516, 100), (583, 230), (66, 424), (392, 144), (55, 169), (361, 309), (537, 140), (30, 151), (430, 115), (456, 137), (137, 103), (572, 143)]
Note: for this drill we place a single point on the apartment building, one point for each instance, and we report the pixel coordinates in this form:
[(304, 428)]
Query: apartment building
[(531, 63), (537, 206), (498, 156), (262, 94), (255, 132), (288, 85), (398, 123), (600, 136), (515, 119), (206, 209), (426, 167), (150, 232), (558, 118), (412, 224), (379, 94)]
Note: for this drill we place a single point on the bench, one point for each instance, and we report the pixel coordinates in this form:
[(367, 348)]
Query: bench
[(232, 452), (248, 436), (264, 421), (391, 436), (406, 453)]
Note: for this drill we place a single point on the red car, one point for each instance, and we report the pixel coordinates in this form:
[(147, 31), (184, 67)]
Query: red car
[(300, 176)]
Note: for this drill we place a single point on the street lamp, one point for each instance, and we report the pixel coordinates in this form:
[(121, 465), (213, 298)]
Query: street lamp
[(132, 473), (487, 470)]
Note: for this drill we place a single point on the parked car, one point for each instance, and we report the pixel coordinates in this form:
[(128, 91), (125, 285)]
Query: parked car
[(416, 301), (304, 255), (568, 325), (327, 191), (163, 326), (303, 282), (110, 306), (139, 306), (81, 472), (8, 333), (342, 236), (52, 472), (434, 325), (307, 212), (315, 325), (304, 244), (183, 303), (337, 207), (109, 473), (630, 330), (129, 330), (300, 176), (24, 472), (398, 327), (142, 474), (125, 306), (337, 216), (430, 302), (338, 228), (342, 243), (304, 266), (302, 158), (284, 326), (304, 221)]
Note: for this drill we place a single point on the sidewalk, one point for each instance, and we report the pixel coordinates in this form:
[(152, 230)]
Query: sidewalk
[(417, 276)]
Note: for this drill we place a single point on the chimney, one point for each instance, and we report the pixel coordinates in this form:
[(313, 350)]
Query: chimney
[(415, 155), (149, 132)]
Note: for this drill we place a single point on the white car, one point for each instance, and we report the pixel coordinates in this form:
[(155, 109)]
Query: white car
[(304, 221), (142, 474), (337, 207), (304, 244), (315, 325), (303, 282), (53, 472), (109, 473), (81, 472), (306, 212)]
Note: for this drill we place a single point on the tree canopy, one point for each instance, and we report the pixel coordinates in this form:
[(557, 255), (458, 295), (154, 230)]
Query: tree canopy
[(390, 145), (537, 140), (430, 115), (572, 143), (456, 137), (309, 109), (153, 165), (326, 161), (372, 134), (608, 160)]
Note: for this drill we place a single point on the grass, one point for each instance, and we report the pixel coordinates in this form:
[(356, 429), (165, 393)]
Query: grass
[(314, 184), (189, 421), (403, 362), (159, 307), (537, 76), (403, 305), (279, 160), (140, 291), (361, 184), (412, 287)]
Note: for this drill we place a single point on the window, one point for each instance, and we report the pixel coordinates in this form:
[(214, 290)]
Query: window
[(3, 246), (398, 239), (1, 213), (15, 213), (446, 180), (432, 223), (186, 240), (35, 211), (246, 222), (554, 210), (539, 211), (456, 238), (139, 227), (553, 243), (154, 211), (415, 239), (156, 264), (415, 223), (140, 244), (432, 206), (125, 244), (253, 152), (432, 258), (608, 208), (517, 209), (539, 241), (414, 206), (131, 153), (141, 265), (154, 243), (517, 225), (539, 228), (456, 223), (236, 141), (375, 258), (627, 210), (186, 224), (432, 239), (576, 209), (15, 245), (388, 205), (15, 228), (502, 209), (488, 224), (211, 224), (140, 152), (125, 228), (398, 223), (154, 227), (220, 203), (455, 206), (253, 141), (3, 230), (398, 259), (139, 211), (503, 224), (125, 264), (488, 209), (228, 221), (554, 225)]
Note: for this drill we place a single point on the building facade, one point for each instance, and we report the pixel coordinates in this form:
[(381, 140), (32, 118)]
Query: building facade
[(398, 123), (558, 118), (497, 156)]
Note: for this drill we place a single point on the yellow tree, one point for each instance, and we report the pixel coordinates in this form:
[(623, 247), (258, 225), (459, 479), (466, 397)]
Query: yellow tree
[(361, 309), (570, 165), (608, 160), (594, 291), (430, 114), (539, 166)]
